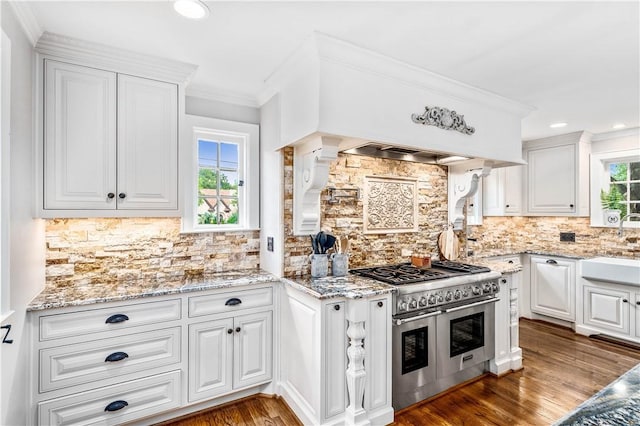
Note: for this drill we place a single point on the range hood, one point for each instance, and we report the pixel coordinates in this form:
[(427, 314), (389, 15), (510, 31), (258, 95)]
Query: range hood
[(334, 94)]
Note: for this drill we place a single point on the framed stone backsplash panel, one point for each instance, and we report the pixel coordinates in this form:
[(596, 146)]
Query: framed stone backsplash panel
[(390, 204)]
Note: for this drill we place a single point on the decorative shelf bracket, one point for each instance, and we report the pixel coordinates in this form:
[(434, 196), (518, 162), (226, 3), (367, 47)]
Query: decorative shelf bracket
[(311, 161), (463, 185)]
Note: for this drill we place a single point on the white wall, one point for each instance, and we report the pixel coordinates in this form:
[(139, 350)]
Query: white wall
[(26, 238), (221, 110), (616, 141)]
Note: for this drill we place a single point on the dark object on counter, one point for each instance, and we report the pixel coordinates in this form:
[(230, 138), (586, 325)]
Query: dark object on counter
[(322, 242)]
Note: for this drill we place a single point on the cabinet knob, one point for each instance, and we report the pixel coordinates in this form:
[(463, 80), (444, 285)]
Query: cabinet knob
[(229, 330), (336, 307), (111, 195), (116, 405), (122, 195), (511, 261), (380, 304), (625, 301), (504, 281), (238, 329), (507, 206), (638, 302), (571, 205)]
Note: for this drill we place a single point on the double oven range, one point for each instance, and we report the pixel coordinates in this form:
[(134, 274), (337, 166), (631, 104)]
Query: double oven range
[(443, 325)]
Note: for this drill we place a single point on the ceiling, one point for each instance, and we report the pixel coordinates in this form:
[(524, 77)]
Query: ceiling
[(577, 62)]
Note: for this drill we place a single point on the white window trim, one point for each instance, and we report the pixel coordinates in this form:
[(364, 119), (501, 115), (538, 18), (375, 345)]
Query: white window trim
[(250, 173), (600, 181)]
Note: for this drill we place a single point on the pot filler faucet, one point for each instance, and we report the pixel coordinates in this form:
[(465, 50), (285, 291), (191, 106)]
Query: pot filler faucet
[(623, 219)]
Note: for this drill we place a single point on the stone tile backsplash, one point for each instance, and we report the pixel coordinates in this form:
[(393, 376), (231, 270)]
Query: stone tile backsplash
[(108, 250)]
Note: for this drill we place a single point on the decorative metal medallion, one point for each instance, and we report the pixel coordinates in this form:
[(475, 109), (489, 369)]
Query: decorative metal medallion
[(444, 119), (390, 205)]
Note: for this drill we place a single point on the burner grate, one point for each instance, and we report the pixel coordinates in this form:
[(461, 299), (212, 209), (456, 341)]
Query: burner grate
[(401, 274), (459, 267)]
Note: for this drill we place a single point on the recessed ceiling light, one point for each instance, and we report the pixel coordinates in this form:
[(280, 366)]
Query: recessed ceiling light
[(619, 126), (193, 9), (558, 125)]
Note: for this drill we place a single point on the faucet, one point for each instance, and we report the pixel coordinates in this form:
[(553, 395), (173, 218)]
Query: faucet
[(622, 221)]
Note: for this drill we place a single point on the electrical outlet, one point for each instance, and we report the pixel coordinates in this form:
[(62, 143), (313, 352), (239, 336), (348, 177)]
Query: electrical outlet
[(269, 243), (568, 237)]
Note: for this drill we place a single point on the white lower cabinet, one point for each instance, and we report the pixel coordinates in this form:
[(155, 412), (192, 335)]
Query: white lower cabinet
[(114, 405), (229, 354), (608, 308), (553, 287), (335, 358)]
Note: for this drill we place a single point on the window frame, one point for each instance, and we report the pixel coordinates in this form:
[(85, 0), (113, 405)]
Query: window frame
[(601, 180), (246, 136)]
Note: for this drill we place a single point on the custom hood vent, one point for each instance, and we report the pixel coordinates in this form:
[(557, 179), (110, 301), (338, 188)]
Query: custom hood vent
[(404, 154)]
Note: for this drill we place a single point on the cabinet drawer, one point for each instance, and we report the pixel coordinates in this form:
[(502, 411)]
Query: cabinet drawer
[(108, 319), (70, 365), (142, 397), (224, 301)]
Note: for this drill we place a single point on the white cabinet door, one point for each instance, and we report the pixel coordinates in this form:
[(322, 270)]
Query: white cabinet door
[(493, 193), (637, 314), (513, 190), (553, 287), (147, 144), (210, 358), (607, 309), (79, 137), (334, 343), (252, 358), (551, 177), (378, 354)]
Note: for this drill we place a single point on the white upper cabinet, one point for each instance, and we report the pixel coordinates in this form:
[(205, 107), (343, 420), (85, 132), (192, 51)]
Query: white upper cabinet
[(557, 175), (147, 144), (100, 154), (502, 192), (80, 137), (107, 129)]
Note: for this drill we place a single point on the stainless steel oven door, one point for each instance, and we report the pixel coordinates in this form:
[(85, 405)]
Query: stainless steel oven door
[(466, 336), (414, 358)]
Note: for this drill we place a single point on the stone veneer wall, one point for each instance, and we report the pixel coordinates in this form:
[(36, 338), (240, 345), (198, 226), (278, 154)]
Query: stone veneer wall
[(346, 218), (107, 250), (498, 235)]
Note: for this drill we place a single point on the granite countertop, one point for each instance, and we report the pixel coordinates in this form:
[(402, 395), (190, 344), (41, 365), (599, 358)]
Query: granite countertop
[(350, 286), (616, 404), (493, 253), (88, 292)]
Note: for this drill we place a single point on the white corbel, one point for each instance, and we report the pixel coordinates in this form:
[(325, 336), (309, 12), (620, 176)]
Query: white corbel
[(463, 183), (311, 161)]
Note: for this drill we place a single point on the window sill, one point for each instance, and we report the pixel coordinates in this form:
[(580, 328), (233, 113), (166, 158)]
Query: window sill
[(216, 230)]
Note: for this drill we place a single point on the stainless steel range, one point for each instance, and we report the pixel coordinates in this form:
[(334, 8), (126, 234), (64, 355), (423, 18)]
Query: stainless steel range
[(444, 329)]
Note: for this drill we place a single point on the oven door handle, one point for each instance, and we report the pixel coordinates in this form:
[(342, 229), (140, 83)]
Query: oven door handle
[(416, 318), (471, 305)]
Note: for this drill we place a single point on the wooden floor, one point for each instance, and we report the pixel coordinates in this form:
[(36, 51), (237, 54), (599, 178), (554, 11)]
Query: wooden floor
[(561, 370)]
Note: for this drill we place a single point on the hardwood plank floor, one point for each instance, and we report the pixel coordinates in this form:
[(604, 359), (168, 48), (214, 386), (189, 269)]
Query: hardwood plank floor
[(562, 370)]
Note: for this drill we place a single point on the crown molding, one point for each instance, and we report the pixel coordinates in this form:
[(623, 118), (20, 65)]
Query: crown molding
[(27, 20), (622, 133), (221, 95), (106, 57)]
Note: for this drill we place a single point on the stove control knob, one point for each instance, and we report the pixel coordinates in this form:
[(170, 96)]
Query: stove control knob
[(413, 304), (465, 293), (495, 287), (422, 301), (440, 298), (449, 296), (432, 299), (402, 306), (476, 290), (457, 295), (486, 288)]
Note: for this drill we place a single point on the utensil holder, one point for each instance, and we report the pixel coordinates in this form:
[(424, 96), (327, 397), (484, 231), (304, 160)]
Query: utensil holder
[(319, 265), (339, 264)]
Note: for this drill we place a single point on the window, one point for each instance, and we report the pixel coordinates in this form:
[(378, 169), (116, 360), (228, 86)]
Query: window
[(618, 174), (624, 185), (224, 179)]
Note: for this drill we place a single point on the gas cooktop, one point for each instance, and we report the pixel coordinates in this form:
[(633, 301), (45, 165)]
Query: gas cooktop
[(406, 273)]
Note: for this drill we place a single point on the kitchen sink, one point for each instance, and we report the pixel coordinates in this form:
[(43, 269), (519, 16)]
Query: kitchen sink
[(612, 269)]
